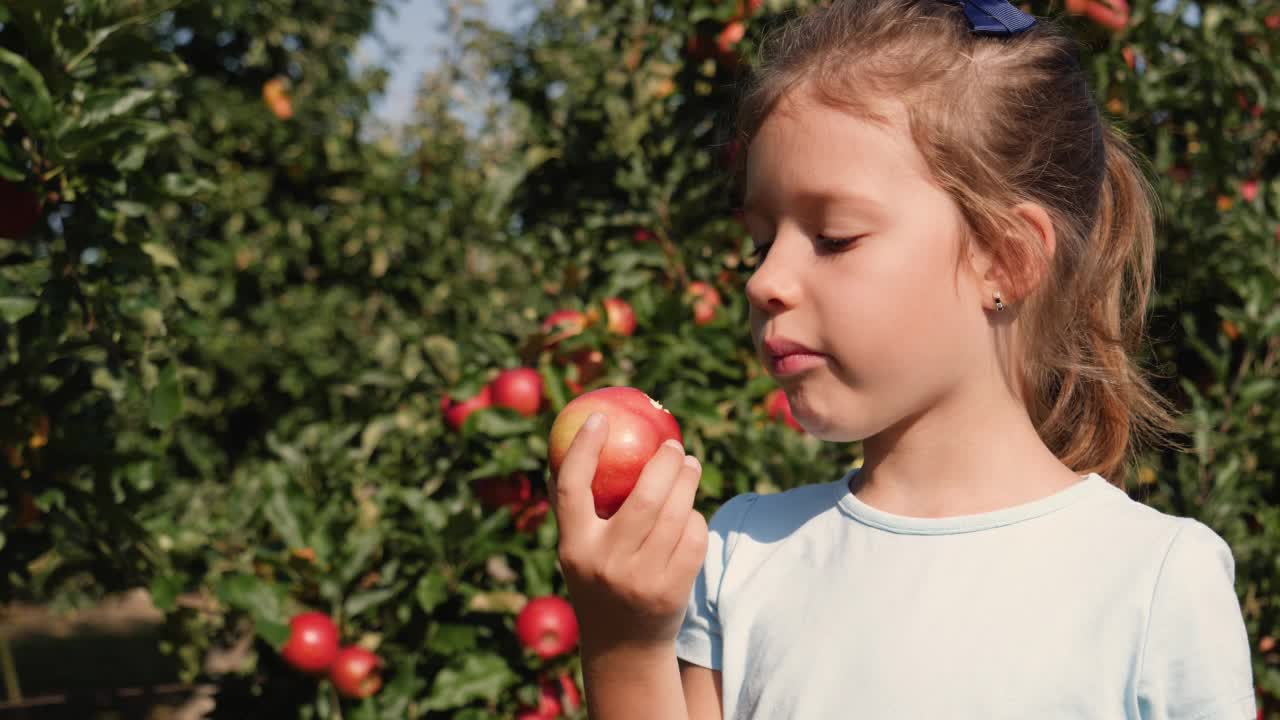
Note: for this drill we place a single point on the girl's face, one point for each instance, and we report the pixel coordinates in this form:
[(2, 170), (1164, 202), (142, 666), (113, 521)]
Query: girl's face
[(860, 265)]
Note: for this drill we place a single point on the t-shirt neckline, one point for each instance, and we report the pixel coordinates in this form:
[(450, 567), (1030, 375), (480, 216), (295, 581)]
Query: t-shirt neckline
[(905, 524)]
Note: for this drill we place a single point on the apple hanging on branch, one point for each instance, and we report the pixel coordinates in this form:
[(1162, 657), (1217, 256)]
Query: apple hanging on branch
[(547, 626), (356, 672), (313, 642)]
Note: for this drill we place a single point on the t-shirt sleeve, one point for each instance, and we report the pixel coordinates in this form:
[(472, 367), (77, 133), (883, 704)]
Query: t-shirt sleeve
[(1196, 663), (699, 640)]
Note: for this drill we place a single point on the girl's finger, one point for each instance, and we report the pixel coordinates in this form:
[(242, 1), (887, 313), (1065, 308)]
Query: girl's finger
[(570, 489), (631, 524), (673, 517)]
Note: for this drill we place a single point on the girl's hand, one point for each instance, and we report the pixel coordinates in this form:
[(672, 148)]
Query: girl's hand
[(630, 576)]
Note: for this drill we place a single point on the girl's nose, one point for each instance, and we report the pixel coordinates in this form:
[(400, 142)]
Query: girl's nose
[(774, 286)]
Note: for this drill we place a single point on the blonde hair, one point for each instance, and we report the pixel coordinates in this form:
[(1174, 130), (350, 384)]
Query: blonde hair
[(1001, 121)]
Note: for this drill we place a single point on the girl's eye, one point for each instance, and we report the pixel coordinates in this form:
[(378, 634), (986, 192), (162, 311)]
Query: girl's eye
[(828, 244)]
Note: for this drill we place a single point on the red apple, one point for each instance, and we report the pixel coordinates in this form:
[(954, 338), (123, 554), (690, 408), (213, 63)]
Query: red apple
[(1272, 22), (313, 642), (549, 706), (355, 672), (1110, 14), (779, 408), (511, 491), (638, 425), (586, 367), (563, 324), (19, 210), (569, 690), (748, 8), (1249, 190), (547, 626), (519, 389), (728, 38), (532, 514), (642, 235), (455, 413), (622, 319), (706, 300)]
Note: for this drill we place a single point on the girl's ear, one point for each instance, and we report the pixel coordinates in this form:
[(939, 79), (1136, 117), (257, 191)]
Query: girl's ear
[(1022, 267)]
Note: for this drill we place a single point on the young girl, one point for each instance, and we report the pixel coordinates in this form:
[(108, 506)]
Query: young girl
[(956, 255)]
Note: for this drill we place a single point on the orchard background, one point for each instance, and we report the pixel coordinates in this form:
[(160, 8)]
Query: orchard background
[(230, 315)]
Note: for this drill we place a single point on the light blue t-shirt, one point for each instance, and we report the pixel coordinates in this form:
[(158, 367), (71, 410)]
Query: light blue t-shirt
[(1082, 604)]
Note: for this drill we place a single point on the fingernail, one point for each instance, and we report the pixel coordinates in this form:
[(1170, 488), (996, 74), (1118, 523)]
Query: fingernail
[(673, 443), (692, 462), (594, 421)]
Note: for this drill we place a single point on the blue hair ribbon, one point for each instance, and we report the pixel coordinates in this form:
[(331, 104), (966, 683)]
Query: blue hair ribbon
[(996, 17)]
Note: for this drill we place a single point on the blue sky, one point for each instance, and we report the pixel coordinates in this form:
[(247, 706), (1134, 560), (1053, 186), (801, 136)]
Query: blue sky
[(415, 30)]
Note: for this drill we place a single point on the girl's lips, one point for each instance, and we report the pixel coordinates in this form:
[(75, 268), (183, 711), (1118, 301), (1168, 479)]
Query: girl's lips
[(797, 363)]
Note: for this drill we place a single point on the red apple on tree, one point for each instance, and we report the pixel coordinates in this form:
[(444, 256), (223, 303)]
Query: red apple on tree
[(569, 693), (1249, 190), (1110, 14), (779, 408), (706, 299), (747, 8), (510, 491), (621, 317), (554, 697), (586, 366), (313, 642), (638, 425), (455, 413), (728, 38), (563, 324), (519, 389), (547, 626), (356, 672), (531, 515)]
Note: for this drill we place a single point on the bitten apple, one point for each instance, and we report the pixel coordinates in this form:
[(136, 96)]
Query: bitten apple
[(519, 389), (547, 626), (638, 425)]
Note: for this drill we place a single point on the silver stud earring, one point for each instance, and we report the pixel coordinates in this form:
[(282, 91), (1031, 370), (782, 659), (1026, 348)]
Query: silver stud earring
[(999, 303)]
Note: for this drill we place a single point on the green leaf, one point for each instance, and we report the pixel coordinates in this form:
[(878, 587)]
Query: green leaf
[(274, 633), (261, 600), (165, 590), (185, 186), (432, 590), (108, 105), (160, 255), (25, 88), (166, 399), (283, 520), (451, 639), (362, 601), (480, 677), (712, 481), (13, 309)]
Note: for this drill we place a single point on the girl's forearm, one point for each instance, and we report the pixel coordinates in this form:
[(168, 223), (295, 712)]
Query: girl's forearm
[(626, 684)]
